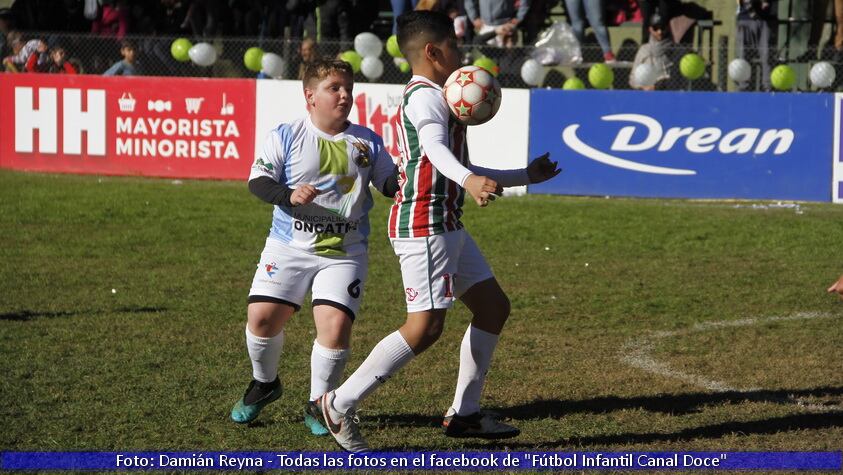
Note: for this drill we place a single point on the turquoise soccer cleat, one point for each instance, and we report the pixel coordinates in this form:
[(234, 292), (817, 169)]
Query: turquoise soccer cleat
[(313, 419), (259, 394)]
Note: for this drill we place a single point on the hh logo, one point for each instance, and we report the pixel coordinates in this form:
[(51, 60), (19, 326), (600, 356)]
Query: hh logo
[(271, 268), (75, 120), (411, 294)]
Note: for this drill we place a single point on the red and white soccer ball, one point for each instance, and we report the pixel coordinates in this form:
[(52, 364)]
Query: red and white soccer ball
[(473, 95)]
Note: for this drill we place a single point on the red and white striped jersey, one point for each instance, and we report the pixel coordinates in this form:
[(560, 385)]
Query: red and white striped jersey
[(427, 202)]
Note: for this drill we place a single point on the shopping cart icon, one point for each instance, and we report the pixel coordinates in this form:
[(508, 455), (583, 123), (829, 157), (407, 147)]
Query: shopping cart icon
[(193, 104), (227, 107), (126, 102)]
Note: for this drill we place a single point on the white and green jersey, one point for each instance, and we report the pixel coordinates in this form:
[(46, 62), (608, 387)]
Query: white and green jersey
[(341, 167)]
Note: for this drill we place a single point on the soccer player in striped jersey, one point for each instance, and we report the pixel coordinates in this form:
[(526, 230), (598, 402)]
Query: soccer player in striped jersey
[(439, 259), (316, 171)]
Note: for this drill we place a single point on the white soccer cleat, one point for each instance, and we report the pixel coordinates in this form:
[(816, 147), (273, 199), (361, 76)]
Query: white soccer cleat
[(344, 427)]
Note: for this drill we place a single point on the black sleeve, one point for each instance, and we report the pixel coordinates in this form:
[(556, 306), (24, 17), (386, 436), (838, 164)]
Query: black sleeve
[(271, 191), (390, 186)]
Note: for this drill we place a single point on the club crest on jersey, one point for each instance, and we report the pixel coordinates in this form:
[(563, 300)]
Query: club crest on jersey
[(363, 158), (263, 165), (271, 268), (411, 294)]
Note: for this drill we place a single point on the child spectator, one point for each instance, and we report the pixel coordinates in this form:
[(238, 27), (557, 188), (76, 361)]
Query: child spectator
[(127, 66)]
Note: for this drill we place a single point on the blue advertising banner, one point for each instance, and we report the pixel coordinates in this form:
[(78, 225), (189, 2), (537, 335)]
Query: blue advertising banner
[(421, 461), (685, 145)]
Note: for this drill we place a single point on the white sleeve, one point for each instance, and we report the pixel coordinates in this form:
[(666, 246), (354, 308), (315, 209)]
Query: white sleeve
[(270, 161), (429, 113), (384, 167), (505, 178)]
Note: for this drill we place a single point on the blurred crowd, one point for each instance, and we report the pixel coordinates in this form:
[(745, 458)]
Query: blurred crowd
[(667, 29)]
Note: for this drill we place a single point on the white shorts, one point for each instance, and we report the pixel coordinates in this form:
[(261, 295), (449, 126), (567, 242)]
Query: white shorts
[(285, 274), (438, 269)]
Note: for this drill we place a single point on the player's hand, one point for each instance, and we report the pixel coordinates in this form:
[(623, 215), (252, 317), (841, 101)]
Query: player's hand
[(482, 189), (478, 23), (542, 169), (303, 195), (837, 287)]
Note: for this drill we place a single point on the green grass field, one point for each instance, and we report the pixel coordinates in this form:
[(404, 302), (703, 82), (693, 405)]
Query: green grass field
[(600, 289)]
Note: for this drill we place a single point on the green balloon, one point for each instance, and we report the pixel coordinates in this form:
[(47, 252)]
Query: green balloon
[(692, 66), (783, 77), (392, 47), (488, 64), (573, 84), (601, 76), (179, 49), (351, 57), (252, 59)]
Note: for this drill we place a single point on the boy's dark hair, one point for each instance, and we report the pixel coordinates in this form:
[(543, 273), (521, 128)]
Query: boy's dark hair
[(418, 27), (127, 44), (321, 68)]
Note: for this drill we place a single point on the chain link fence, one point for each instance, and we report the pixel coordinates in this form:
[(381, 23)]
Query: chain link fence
[(94, 54)]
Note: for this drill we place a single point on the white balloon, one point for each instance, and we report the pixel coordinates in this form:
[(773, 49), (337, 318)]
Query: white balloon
[(202, 54), (740, 70), (368, 44), (644, 75), (372, 67), (532, 72), (822, 75), (272, 65)]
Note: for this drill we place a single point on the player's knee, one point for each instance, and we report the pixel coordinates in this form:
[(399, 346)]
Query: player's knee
[(500, 308), (431, 332)]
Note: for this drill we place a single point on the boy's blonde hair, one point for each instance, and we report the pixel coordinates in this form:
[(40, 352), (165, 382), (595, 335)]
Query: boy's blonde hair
[(321, 68)]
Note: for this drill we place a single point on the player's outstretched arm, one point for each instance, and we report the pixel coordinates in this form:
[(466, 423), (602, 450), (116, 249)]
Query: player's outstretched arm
[(837, 287), (542, 169)]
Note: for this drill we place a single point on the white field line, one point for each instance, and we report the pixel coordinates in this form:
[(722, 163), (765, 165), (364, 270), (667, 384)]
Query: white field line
[(636, 353)]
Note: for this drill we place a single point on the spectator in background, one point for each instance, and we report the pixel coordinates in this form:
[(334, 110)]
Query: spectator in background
[(399, 7), (204, 18), (307, 55), (656, 52), (334, 20), (112, 20), (819, 12), (578, 11), (53, 62), (755, 22), (537, 19), (21, 51), (500, 17), (453, 9), (5, 28), (127, 66), (301, 16)]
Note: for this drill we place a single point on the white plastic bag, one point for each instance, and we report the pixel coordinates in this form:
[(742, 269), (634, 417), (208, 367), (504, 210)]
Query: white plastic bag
[(557, 45)]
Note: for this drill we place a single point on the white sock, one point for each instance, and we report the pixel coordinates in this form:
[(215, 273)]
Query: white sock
[(475, 356), (326, 366), (264, 353), (387, 357)]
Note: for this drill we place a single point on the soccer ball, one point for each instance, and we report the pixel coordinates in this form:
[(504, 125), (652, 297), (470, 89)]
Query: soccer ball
[(473, 95)]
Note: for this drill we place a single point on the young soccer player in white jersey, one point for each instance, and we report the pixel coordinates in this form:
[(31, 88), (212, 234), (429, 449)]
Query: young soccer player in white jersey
[(316, 171), (439, 259)]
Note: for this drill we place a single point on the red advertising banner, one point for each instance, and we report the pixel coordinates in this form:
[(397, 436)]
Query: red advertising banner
[(164, 127)]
